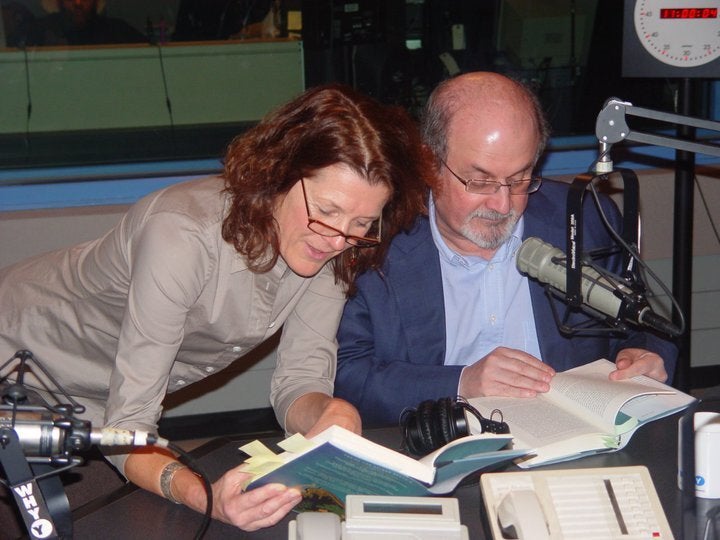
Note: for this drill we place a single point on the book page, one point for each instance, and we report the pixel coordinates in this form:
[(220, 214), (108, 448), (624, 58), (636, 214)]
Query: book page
[(589, 392), (466, 446), (535, 422), (580, 413), (448, 476), (652, 407), (549, 433)]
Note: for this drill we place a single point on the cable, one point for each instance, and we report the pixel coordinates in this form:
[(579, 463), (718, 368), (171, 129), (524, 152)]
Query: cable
[(153, 41), (68, 424), (636, 256), (606, 152), (28, 95), (168, 103), (188, 460), (707, 208)]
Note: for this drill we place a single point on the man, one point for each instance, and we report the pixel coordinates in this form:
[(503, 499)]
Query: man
[(448, 313)]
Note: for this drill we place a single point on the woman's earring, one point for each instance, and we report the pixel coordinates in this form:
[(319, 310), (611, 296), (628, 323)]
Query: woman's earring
[(353, 257)]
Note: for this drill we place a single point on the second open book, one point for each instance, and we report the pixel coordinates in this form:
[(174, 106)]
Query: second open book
[(583, 413)]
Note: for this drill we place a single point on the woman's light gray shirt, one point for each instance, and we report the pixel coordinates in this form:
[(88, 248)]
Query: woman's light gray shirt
[(162, 301)]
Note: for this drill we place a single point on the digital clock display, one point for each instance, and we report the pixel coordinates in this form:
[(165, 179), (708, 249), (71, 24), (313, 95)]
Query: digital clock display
[(679, 33), (688, 13)]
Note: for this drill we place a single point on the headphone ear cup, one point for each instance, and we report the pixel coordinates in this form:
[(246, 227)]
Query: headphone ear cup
[(433, 424), (410, 429), (425, 423), (459, 421), (445, 421)]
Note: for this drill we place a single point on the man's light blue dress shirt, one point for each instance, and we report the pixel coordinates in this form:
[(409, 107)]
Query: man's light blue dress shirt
[(487, 303)]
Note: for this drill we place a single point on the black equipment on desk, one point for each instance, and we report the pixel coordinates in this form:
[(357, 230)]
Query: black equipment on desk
[(433, 424), (614, 302), (37, 443)]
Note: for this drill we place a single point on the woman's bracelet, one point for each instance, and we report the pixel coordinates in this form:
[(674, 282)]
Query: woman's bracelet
[(166, 477)]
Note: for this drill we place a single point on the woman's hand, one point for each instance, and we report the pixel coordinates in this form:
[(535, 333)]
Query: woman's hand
[(254, 509), (248, 510)]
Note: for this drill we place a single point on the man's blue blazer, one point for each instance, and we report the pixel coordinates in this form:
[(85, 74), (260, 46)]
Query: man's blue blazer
[(392, 333)]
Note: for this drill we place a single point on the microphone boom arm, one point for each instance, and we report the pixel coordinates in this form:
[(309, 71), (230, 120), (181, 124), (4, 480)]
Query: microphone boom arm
[(611, 127)]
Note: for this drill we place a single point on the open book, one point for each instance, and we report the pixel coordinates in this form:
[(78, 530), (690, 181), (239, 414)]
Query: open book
[(337, 462), (583, 413)]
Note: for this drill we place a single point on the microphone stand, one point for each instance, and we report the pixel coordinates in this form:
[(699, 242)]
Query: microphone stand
[(574, 248), (577, 257), (37, 489), (50, 437), (41, 498), (683, 234), (612, 127)]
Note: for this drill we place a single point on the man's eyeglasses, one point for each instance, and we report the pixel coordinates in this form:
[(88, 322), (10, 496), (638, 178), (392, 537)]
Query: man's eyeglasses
[(371, 239), (523, 186)]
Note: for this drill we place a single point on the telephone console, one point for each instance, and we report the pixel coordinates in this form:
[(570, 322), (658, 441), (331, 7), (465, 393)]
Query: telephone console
[(383, 517), (605, 503)]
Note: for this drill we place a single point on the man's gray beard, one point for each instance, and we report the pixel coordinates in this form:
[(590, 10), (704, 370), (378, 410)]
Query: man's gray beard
[(498, 233)]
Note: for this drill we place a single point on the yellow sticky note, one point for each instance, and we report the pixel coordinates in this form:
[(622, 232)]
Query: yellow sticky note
[(256, 448), (296, 444)]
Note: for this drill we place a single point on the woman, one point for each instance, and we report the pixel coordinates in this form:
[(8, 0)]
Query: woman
[(198, 274)]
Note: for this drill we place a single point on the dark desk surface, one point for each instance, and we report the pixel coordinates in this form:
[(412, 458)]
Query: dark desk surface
[(134, 513)]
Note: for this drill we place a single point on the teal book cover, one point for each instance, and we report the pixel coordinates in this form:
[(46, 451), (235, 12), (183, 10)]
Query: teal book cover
[(347, 464)]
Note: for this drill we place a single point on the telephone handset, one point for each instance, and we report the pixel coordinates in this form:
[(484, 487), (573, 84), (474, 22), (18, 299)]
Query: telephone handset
[(315, 526), (561, 503), (521, 516)]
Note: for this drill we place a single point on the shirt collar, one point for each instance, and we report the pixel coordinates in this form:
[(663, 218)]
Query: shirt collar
[(239, 262)]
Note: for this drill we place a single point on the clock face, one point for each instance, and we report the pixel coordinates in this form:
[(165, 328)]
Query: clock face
[(679, 35)]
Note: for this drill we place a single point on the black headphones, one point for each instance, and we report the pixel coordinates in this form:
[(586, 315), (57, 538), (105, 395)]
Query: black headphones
[(433, 424)]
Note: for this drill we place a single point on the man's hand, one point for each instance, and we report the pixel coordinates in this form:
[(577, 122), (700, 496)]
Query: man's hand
[(632, 362), (312, 413), (506, 372)]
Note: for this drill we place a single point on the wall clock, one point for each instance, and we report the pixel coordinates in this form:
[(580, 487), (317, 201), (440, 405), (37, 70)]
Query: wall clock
[(671, 38)]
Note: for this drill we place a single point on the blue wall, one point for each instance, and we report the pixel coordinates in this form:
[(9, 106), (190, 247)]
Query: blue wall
[(27, 189)]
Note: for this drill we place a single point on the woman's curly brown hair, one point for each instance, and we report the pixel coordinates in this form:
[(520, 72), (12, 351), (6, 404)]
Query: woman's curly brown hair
[(325, 125)]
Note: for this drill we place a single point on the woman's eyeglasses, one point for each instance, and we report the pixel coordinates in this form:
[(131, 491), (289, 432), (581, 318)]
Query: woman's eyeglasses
[(371, 239)]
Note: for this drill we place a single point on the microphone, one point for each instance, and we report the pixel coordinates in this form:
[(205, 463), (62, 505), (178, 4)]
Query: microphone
[(33, 431), (45, 434), (601, 293)]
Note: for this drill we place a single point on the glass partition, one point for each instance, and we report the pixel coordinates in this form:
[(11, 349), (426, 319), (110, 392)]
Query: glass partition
[(92, 81), (112, 81)]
